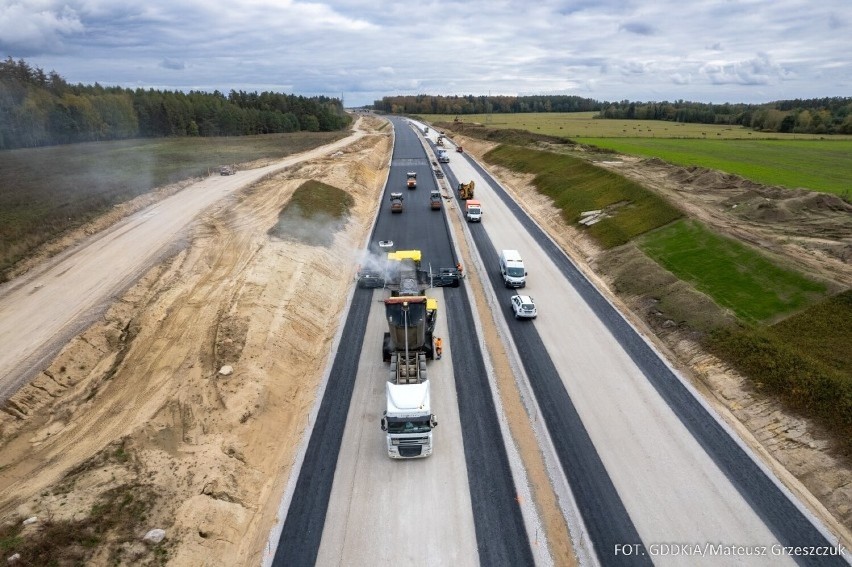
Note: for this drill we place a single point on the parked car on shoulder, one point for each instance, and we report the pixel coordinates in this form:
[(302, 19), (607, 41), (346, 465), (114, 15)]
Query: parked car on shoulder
[(523, 307)]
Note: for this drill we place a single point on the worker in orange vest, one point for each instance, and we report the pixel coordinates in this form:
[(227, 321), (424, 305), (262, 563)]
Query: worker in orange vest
[(439, 347), (460, 269)]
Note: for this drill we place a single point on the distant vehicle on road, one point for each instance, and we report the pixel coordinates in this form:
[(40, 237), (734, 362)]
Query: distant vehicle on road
[(473, 211), (370, 279), (523, 307), (227, 170), (396, 202), (447, 277), (512, 269)]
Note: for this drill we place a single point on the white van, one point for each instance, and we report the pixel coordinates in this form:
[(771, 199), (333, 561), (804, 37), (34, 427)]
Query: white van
[(512, 269)]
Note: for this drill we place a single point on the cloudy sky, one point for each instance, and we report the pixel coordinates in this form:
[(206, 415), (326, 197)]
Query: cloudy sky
[(699, 50)]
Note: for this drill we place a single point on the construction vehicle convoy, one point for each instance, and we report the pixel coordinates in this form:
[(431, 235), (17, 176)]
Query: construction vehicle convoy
[(440, 141), (473, 210), (443, 156), (466, 190), (408, 419), (396, 202), (411, 182)]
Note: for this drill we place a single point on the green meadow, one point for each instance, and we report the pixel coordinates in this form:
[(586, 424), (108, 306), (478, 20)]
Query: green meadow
[(818, 165), (734, 275), (811, 161)]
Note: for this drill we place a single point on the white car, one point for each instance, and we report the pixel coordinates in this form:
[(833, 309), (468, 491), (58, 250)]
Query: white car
[(523, 307)]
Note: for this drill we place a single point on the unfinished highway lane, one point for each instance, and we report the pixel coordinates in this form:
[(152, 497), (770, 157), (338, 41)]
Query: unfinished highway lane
[(674, 474), (313, 530)]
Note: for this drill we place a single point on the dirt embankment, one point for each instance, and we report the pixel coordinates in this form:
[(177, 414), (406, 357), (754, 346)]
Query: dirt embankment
[(140, 399), (808, 230)]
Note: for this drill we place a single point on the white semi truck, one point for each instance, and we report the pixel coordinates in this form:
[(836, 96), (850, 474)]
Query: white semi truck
[(408, 420)]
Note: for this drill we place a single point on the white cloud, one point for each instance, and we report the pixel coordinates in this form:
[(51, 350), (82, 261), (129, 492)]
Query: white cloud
[(30, 26), (715, 50)]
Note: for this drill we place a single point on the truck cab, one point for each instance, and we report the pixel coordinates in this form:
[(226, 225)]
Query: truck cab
[(473, 211), (408, 421)]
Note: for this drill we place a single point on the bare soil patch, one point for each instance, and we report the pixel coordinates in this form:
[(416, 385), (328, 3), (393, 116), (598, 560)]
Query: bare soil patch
[(214, 446)]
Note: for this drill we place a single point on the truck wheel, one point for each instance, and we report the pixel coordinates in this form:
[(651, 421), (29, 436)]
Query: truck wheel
[(386, 348)]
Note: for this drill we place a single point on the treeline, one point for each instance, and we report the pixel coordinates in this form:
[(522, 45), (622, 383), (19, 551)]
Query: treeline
[(809, 116), (40, 109), (428, 104), (805, 116)]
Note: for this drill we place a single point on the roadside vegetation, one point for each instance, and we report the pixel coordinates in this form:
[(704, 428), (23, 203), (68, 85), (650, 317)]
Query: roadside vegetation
[(827, 115), (112, 530), (576, 186), (734, 275), (314, 214), (786, 332), (819, 165), (805, 360), (48, 191), (42, 109), (814, 162)]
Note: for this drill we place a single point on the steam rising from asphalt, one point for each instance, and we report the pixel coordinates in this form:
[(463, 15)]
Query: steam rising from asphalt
[(315, 228)]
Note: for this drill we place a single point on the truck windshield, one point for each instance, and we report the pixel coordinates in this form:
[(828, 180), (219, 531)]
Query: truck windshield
[(412, 425), (515, 272)]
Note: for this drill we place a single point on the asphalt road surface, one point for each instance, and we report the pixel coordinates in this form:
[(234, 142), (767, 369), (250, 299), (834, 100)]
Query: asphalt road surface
[(485, 522)]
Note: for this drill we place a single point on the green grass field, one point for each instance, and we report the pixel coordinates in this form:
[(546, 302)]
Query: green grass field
[(575, 186), (734, 275), (580, 125), (824, 166), (818, 163)]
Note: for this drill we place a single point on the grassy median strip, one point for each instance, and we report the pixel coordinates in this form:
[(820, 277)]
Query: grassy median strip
[(734, 275), (576, 185)]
